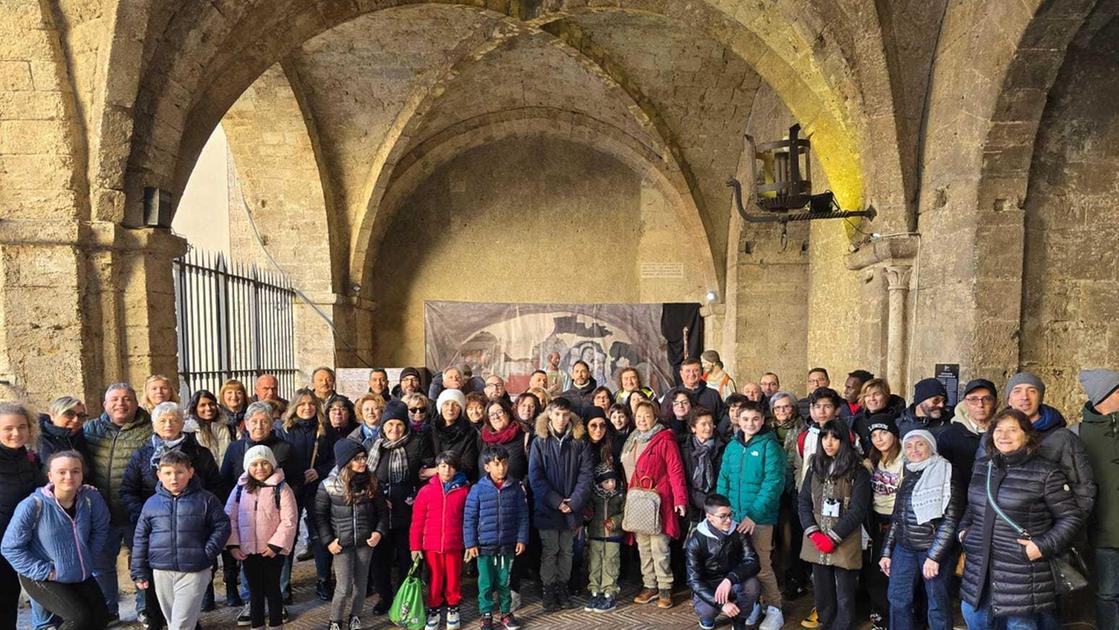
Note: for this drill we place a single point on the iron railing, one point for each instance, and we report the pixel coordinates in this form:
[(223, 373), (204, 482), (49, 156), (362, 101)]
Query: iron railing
[(234, 321)]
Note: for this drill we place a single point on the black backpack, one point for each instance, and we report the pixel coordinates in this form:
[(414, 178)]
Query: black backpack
[(277, 490)]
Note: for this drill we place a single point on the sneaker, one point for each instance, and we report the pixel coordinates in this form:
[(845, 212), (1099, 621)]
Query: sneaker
[(143, 619), (706, 624), (432, 620), (510, 622), (335, 625), (592, 603), (355, 623), (755, 614), (453, 620), (516, 600), (664, 598), (304, 555), (284, 613), (876, 622), (812, 620), (245, 617), (774, 619), (645, 596), (606, 603), (487, 621), (323, 590)]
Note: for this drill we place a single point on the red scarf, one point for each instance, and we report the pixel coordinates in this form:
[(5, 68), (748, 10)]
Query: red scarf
[(504, 436)]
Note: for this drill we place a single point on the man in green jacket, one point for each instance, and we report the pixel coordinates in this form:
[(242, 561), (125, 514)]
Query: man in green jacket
[(111, 439), (752, 476), (1100, 434)]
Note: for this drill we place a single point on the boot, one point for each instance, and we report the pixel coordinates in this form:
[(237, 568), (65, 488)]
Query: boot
[(208, 598), (551, 600), (232, 595), (323, 590)]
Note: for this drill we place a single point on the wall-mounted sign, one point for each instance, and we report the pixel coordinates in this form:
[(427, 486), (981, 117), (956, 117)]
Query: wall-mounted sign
[(949, 375)]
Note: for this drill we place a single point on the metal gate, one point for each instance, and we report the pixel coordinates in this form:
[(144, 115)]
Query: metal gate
[(234, 321)]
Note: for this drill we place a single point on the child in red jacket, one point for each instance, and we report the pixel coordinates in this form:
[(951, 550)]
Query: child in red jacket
[(436, 535)]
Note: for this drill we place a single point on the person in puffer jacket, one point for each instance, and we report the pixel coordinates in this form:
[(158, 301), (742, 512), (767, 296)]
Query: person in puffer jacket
[(495, 530), (1008, 578), (262, 522), (921, 540), (436, 536), (52, 540), (352, 518), (722, 567), (181, 530)]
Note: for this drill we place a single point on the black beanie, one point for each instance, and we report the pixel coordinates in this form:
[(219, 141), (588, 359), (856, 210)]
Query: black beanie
[(882, 420), (345, 450), (604, 472), (410, 371), (395, 410), (926, 389), (594, 412)]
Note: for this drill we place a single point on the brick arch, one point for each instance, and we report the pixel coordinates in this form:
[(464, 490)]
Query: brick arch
[(427, 156), (976, 171), (205, 61)]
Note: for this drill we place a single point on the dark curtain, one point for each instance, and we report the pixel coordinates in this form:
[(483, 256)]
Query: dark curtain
[(674, 318)]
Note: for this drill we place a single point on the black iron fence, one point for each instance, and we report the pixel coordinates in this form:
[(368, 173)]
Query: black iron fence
[(234, 321)]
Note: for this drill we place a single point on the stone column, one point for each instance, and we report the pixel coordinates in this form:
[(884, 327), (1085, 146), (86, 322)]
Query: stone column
[(897, 287)]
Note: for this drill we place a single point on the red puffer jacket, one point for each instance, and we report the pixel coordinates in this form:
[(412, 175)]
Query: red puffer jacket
[(437, 518), (661, 463)]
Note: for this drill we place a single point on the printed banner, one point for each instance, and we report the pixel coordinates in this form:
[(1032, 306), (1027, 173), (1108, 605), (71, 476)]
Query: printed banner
[(513, 340)]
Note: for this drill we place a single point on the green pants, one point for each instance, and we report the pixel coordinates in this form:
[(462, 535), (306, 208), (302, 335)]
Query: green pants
[(605, 560), (493, 577)]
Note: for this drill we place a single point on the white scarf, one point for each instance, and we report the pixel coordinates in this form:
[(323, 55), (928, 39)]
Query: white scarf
[(933, 489)]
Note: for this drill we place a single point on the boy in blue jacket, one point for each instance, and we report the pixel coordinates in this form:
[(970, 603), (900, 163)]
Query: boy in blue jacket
[(495, 529), (181, 530)]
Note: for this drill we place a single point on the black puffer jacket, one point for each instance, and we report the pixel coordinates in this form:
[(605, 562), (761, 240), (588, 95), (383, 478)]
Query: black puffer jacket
[(351, 524), (937, 536), (460, 438), (1034, 493), (20, 470), (712, 556), (54, 439)]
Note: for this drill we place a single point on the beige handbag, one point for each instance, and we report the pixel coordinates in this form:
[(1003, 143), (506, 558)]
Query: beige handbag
[(643, 509)]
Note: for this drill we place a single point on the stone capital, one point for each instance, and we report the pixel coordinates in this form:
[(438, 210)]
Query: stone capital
[(897, 277), (883, 250)]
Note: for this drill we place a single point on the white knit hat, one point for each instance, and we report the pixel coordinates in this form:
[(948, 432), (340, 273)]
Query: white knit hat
[(259, 451)]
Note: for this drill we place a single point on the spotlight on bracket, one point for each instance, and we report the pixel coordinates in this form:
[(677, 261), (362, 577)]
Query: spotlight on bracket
[(712, 296), (779, 171)]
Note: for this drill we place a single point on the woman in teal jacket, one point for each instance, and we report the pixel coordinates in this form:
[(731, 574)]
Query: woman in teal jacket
[(752, 476)]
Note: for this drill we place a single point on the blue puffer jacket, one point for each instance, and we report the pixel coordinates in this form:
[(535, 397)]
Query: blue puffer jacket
[(179, 533), (496, 519), (43, 538)]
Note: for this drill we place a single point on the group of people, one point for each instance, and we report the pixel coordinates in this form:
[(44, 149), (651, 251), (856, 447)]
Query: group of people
[(747, 496)]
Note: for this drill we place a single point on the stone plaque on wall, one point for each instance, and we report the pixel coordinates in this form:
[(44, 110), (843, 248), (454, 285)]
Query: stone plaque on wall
[(662, 270)]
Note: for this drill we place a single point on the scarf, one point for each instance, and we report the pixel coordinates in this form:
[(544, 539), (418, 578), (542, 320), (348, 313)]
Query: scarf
[(504, 436), (162, 447), (933, 489), (370, 433), (398, 457), (458, 481), (811, 443), (601, 492), (703, 472)]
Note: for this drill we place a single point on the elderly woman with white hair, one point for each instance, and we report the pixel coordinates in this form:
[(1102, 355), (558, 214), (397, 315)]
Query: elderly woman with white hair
[(142, 474), (920, 546)]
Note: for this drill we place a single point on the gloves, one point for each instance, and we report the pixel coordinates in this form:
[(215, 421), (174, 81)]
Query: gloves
[(822, 541)]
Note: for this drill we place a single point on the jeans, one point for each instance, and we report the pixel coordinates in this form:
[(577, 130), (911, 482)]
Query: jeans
[(81, 606), (835, 596), (105, 568), (906, 567), (42, 618), (744, 595), (351, 568), (1107, 588), (983, 618)]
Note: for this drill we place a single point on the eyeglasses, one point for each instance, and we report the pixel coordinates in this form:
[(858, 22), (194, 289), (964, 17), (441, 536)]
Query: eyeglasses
[(721, 517), (974, 400), (680, 403), (596, 425), (497, 414), (417, 410), (782, 407)]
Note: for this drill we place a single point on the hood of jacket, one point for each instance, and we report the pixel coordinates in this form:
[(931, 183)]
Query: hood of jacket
[(48, 428), (575, 429), (961, 417), (704, 529)]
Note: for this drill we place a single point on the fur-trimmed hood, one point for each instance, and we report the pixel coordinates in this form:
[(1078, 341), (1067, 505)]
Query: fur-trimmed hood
[(576, 430)]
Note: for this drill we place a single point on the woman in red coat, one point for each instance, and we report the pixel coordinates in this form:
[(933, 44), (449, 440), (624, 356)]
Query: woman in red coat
[(651, 460)]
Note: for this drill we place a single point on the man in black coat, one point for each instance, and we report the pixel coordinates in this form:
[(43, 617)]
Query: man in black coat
[(960, 441), (691, 372), (722, 567), (581, 394)]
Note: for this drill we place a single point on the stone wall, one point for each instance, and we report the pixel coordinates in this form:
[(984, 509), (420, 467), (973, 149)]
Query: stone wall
[(1070, 296), (524, 220)]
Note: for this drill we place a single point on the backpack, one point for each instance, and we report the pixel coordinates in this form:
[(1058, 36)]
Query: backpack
[(277, 490)]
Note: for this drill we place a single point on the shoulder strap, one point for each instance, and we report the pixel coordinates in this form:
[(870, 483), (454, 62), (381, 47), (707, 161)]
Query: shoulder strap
[(277, 492), (995, 506), (237, 497)]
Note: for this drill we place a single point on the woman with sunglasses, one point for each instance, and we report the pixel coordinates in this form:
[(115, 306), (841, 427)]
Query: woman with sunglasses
[(61, 428)]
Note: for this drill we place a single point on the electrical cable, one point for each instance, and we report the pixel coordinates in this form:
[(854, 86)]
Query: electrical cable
[(326, 318)]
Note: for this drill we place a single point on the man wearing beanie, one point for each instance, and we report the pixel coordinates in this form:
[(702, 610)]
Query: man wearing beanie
[(409, 383), (1026, 393), (927, 410), (960, 441), (1101, 441)]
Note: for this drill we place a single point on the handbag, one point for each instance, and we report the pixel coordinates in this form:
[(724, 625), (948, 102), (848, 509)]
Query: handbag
[(1068, 568), (407, 610), (643, 509)]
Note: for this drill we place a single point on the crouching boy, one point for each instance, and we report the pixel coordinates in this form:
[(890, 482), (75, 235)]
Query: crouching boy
[(181, 530), (722, 567)]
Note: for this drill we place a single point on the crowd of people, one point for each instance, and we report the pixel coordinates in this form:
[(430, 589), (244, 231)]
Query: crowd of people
[(748, 497)]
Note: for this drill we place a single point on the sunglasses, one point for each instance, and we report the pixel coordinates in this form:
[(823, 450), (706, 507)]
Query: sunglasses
[(417, 410)]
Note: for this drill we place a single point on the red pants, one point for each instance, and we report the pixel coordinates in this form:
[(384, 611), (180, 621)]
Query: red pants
[(446, 573)]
